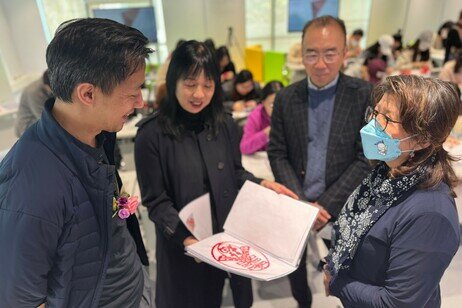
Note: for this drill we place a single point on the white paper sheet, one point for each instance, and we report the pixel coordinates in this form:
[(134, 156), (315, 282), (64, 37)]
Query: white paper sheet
[(265, 234), (275, 223), (229, 254), (197, 217)]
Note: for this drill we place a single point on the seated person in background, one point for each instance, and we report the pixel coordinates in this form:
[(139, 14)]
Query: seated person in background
[(377, 58), (31, 104), (242, 93), (294, 62), (454, 39), (353, 41), (257, 127), (452, 70), (227, 69), (421, 48), (294, 56), (416, 55), (442, 35)]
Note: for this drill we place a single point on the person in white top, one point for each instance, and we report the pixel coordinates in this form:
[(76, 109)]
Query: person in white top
[(452, 70)]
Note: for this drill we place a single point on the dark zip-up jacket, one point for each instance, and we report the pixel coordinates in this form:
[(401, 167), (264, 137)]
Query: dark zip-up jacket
[(55, 211)]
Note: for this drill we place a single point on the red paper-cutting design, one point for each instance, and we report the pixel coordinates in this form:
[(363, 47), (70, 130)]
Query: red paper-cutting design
[(239, 256), (190, 223)]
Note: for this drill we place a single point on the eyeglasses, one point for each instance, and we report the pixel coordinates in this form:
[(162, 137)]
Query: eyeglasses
[(312, 57), (383, 120)]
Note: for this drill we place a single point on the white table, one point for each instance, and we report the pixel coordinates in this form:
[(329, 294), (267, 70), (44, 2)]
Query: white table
[(129, 130), (258, 164)]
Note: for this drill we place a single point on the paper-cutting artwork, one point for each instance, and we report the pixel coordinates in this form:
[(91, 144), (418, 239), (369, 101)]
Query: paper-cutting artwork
[(239, 256)]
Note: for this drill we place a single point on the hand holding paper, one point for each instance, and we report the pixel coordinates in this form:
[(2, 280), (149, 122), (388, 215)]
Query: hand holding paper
[(265, 234), (279, 188)]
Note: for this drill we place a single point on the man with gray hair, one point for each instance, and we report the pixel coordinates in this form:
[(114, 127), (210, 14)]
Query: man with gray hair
[(67, 234), (315, 147)]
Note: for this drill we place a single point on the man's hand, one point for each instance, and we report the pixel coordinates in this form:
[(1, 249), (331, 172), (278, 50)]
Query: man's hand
[(279, 188), (322, 218)]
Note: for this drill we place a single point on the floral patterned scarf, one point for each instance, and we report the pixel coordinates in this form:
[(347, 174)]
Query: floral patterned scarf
[(370, 200)]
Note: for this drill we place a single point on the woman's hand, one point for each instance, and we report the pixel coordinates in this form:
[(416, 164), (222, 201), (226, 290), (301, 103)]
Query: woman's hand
[(279, 188), (190, 240), (326, 280)]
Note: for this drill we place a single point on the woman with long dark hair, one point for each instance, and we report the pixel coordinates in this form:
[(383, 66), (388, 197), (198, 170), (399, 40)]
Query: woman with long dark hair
[(227, 68), (189, 148)]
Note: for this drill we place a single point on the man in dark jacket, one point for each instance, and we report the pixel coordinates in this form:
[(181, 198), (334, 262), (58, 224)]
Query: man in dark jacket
[(315, 147), (63, 244)]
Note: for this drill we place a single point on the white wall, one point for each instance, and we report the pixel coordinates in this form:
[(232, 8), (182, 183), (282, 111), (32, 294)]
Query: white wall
[(202, 19), (412, 16), (387, 16), (422, 15), (451, 10), (22, 41), (8, 50)]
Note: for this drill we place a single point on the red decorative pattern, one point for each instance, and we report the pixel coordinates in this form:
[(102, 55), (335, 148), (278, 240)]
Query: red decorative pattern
[(239, 256)]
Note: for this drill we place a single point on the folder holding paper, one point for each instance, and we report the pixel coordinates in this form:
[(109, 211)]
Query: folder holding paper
[(264, 234)]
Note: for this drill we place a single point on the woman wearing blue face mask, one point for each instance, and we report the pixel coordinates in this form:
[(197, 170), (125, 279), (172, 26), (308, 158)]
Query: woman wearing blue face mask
[(399, 230)]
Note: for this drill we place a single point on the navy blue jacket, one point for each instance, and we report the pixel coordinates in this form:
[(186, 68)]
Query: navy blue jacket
[(55, 211), (401, 260)]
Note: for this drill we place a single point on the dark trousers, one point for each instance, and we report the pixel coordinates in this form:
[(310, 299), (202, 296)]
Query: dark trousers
[(299, 284), (241, 288), (183, 283)]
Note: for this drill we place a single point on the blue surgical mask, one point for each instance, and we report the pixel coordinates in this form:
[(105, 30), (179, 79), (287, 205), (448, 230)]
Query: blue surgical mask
[(378, 145)]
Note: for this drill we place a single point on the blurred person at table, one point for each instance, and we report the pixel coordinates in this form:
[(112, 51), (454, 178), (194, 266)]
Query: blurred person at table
[(398, 43), (241, 93), (452, 70), (315, 147), (353, 44), (421, 47), (379, 59), (399, 229), (68, 237), (442, 35), (454, 39), (257, 127), (294, 62), (33, 98), (227, 69), (417, 55), (185, 150)]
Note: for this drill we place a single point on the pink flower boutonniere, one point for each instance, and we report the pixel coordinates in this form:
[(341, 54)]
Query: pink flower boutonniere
[(124, 205)]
